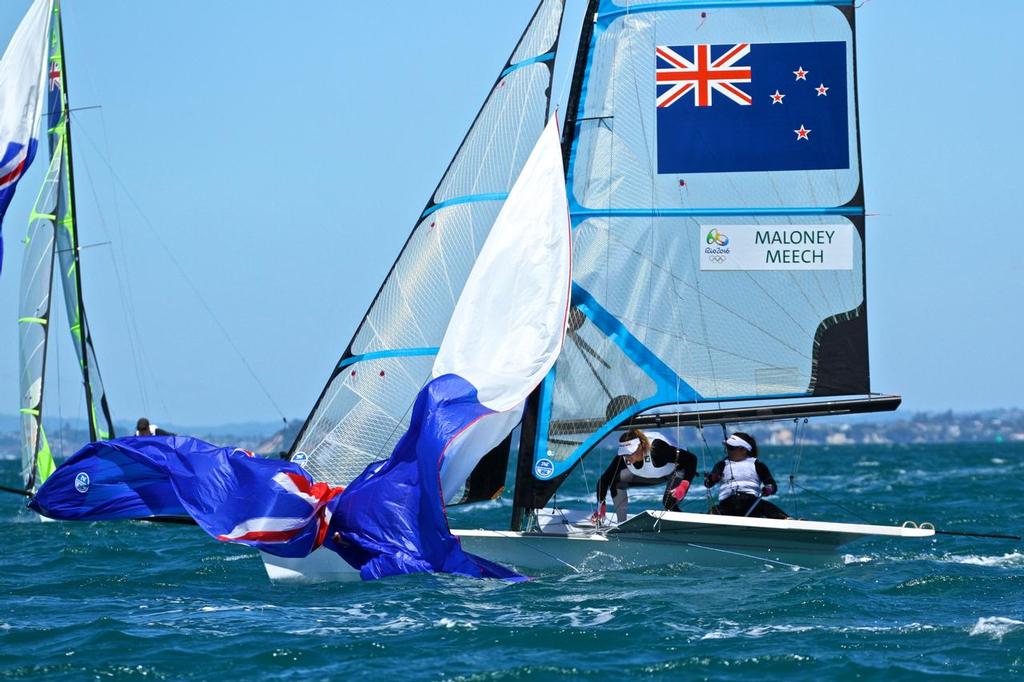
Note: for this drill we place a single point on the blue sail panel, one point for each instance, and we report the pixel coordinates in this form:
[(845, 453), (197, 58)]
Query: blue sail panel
[(715, 190)]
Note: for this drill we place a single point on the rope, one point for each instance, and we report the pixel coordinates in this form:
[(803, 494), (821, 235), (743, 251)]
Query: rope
[(185, 278), (832, 502), (746, 556)]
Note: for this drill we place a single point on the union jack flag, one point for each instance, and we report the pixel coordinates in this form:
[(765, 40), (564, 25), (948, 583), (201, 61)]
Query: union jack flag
[(702, 75), (55, 80), (11, 170), (277, 529)]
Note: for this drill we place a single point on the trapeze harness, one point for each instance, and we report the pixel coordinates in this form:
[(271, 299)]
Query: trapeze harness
[(662, 462), (740, 478), (740, 487)]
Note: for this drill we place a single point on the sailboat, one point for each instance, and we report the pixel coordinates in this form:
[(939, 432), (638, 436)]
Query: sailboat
[(713, 172), (52, 249)]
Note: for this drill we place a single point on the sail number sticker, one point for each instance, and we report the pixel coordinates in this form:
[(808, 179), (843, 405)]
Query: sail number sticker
[(776, 247)]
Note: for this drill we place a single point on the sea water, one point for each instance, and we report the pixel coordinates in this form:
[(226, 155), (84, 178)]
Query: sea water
[(125, 600)]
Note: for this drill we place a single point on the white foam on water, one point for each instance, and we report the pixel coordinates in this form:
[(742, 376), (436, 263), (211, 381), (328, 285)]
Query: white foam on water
[(996, 627), (451, 624), (852, 559), (763, 630), (756, 632), (998, 460), (1013, 559), (590, 616), (236, 607)]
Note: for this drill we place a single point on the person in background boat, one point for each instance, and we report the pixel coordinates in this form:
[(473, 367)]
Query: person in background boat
[(744, 481), (144, 428), (645, 459)]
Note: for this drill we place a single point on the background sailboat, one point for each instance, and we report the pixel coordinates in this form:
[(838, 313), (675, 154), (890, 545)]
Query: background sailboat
[(52, 248)]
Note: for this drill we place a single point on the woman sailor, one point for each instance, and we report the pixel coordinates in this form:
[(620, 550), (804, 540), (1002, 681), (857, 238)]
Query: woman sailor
[(744, 481), (645, 459)]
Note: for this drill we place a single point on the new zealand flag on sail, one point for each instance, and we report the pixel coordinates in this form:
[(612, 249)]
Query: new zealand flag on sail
[(752, 107)]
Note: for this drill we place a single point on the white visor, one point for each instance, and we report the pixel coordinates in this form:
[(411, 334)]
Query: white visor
[(737, 442), (629, 447)]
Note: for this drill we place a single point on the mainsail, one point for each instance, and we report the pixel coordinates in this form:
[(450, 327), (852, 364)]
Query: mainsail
[(714, 181), (365, 407), (52, 240)]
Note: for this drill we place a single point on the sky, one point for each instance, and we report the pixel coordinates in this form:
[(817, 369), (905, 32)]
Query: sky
[(256, 167)]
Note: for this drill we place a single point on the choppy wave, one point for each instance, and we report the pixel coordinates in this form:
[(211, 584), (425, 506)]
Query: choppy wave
[(996, 627), (98, 600)]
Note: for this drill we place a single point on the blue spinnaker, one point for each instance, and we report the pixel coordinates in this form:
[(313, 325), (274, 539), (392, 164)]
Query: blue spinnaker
[(391, 519), (274, 505), (234, 496)]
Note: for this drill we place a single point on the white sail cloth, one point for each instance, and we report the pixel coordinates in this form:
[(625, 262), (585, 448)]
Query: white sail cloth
[(22, 77), (21, 100), (509, 323)]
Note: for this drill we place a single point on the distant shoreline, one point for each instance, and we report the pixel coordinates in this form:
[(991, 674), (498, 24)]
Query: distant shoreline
[(990, 426)]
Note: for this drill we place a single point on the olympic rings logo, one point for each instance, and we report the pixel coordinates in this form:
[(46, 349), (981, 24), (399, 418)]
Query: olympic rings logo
[(717, 238)]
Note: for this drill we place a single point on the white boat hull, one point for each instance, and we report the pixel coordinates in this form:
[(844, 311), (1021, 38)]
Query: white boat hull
[(647, 539)]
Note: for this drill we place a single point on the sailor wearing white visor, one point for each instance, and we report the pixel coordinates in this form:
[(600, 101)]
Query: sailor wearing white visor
[(645, 459), (744, 481)]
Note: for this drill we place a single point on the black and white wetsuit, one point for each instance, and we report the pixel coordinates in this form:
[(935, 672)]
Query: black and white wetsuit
[(663, 464), (154, 431), (740, 485)]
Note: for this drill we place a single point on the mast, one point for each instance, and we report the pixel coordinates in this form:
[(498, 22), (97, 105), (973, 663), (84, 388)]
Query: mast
[(65, 114), (528, 430)]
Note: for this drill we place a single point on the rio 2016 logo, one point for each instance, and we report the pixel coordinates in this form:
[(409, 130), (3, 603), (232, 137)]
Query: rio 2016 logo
[(717, 238)]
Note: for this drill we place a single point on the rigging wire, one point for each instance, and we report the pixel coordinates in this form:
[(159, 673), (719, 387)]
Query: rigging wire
[(125, 295), (184, 276), (833, 502)]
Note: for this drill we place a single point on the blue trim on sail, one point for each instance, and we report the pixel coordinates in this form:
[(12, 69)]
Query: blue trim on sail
[(632, 347), (549, 57), (465, 199), (547, 394), (579, 213), (609, 11), (391, 353)]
